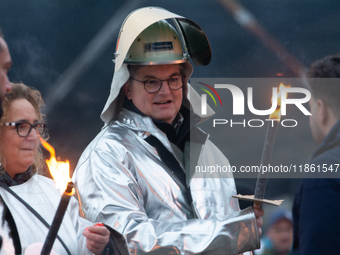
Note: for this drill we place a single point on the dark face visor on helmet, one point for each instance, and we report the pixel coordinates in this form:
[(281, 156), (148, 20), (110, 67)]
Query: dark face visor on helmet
[(196, 41)]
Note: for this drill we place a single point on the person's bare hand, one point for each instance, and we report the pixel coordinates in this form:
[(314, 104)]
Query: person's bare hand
[(258, 214), (97, 237)]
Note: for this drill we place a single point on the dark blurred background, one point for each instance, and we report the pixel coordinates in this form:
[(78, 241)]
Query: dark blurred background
[(47, 38)]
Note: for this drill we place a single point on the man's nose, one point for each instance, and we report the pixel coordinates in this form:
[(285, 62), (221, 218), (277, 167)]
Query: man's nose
[(165, 89), (8, 86)]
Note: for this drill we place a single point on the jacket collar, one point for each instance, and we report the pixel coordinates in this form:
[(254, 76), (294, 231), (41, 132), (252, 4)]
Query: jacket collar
[(18, 178), (332, 139), (178, 132)]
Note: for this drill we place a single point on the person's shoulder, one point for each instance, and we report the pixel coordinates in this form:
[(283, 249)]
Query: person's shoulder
[(326, 164), (109, 141), (47, 184), (111, 132), (42, 178), (320, 183)]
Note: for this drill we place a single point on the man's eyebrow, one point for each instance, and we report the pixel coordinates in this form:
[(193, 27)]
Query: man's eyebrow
[(154, 77)]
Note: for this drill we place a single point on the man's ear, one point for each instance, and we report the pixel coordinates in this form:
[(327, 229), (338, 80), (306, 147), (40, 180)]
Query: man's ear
[(127, 90), (322, 112), (326, 117)]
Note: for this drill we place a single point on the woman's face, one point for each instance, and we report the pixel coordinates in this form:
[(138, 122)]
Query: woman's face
[(18, 153)]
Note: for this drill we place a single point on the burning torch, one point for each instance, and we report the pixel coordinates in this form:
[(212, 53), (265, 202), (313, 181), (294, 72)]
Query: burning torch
[(258, 197), (60, 172)]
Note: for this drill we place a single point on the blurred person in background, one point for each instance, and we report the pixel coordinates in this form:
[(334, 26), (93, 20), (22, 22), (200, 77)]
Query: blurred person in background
[(317, 200), (278, 239), (5, 65), (136, 175), (5, 87), (21, 162)]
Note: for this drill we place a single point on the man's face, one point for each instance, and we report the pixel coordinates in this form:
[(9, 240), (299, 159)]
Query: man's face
[(162, 105), (5, 65), (313, 121)]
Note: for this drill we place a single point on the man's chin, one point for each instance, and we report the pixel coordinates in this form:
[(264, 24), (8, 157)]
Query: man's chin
[(163, 118)]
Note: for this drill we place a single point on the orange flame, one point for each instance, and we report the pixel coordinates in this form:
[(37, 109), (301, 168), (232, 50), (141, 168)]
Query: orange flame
[(60, 170), (276, 115)]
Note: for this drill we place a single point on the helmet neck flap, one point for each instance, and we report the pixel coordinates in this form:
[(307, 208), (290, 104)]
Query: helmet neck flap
[(146, 38)]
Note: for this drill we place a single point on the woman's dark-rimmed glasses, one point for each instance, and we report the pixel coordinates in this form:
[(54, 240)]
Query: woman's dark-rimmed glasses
[(25, 128)]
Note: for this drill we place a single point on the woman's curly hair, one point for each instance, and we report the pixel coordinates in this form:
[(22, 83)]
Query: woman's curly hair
[(20, 90)]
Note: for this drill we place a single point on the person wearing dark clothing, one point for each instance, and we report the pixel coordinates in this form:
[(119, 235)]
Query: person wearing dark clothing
[(317, 202), (316, 206)]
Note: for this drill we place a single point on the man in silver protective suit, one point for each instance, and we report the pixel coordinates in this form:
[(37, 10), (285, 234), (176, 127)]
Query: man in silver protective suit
[(137, 174)]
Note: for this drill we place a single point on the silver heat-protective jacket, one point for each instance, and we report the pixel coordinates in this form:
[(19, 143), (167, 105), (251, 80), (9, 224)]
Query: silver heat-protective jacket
[(121, 180), (40, 193)]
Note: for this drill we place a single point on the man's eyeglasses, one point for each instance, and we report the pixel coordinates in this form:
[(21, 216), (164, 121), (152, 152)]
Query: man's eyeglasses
[(24, 128), (154, 85)]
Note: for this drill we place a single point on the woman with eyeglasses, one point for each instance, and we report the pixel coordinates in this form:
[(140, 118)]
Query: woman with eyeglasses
[(21, 162)]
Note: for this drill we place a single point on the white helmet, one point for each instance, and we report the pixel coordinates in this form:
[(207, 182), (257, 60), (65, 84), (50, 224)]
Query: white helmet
[(157, 44), (145, 38)]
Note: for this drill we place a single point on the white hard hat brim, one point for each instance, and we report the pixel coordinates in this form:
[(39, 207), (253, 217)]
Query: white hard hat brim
[(133, 25)]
